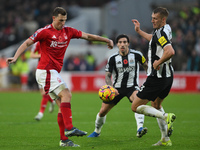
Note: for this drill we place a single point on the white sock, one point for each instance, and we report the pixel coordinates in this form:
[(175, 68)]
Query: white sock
[(139, 120), (150, 111), (163, 127), (99, 123)]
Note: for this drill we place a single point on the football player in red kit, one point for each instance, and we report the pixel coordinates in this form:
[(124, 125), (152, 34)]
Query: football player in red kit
[(36, 54), (54, 40)]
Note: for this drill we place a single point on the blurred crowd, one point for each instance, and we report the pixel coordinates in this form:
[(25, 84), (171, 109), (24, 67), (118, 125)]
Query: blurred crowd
[(80, 62), (20, 18)]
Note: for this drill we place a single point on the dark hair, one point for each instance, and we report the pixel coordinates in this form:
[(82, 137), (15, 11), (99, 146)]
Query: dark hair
[(122, 36), (162, 11), (59, 10)]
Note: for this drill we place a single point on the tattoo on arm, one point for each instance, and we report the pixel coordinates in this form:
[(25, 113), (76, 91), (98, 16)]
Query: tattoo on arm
[(108, 78)]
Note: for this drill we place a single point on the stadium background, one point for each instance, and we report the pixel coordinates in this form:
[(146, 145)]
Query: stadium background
[(85, 62), (19, 130)]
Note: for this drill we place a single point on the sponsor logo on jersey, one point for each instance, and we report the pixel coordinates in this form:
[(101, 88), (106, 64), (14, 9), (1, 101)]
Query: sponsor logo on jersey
[(125, 69), (54, 44), (162, 40), (58, 44)]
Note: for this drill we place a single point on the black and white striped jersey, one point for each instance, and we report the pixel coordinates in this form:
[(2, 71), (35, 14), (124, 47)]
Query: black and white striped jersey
[(125, 69), (161, 37)]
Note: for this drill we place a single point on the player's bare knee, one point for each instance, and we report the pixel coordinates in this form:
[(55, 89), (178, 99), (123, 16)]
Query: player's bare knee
[(63, 93)]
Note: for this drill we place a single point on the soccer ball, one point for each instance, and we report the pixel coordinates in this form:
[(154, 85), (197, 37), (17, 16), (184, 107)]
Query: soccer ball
[(107, 93)]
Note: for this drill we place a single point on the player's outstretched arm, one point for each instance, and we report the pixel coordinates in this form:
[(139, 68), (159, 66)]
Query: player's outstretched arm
[(140, 32), (19, 51), (92, 37)]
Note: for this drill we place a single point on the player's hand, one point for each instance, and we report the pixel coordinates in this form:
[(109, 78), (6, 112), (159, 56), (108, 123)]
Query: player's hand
[(10, 60), (116, 92), (110, 44), (137, 24), (156, 65)]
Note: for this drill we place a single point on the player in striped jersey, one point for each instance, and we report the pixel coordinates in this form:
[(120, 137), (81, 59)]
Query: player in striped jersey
[(160, 74), (123, 66)]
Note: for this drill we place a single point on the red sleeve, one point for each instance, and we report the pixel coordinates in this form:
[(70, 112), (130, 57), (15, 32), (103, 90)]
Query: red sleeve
[(74, 32), (38, 35)]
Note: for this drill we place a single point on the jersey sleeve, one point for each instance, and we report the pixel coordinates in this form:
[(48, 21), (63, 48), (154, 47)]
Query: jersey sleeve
[(140, 58), (162, 39), (75, 33), (110, 65), (38, 35)]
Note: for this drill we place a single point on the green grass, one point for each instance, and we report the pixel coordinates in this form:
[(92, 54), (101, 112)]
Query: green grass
[(19, 131)]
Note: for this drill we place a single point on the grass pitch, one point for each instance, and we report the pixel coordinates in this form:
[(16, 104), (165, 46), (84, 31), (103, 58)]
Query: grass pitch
[(19, 130)]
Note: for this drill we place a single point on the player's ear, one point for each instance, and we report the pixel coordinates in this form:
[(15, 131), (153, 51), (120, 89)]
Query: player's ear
[(53, 17), (164, 19)]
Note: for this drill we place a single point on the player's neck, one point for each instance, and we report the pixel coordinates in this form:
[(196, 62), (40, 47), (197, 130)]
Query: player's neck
[(55, 27)]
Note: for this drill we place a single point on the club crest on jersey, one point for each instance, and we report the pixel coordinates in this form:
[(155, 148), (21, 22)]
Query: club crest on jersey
[(131, 61), (65, 36), (59, 80)]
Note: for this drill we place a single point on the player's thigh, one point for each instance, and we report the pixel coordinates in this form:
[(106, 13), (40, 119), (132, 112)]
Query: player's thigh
[(64, 94), (167, 87), (150, 89)]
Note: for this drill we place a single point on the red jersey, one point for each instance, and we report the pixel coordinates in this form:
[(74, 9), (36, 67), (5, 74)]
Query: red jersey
[(53, 44)]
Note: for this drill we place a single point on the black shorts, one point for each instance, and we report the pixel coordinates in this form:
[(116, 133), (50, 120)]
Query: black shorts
[(122, 93), (155, 87)]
